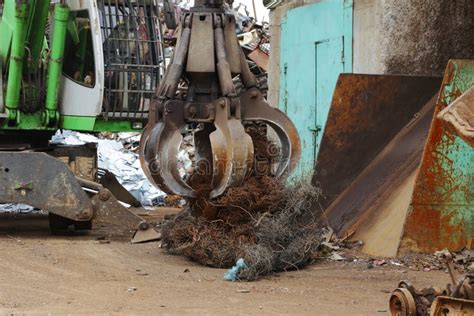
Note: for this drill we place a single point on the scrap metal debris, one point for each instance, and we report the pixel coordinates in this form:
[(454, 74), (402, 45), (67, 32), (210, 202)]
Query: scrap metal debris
[(17, 208), (263, 227), (116, 153), (459, 116), (456, 299)]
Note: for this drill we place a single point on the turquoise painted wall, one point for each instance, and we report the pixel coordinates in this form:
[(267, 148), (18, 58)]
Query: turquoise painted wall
[(316, 46)]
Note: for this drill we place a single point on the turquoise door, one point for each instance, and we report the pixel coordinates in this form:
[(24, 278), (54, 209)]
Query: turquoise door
[(316, 46)]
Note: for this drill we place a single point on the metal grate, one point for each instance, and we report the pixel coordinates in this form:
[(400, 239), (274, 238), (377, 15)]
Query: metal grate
[(133, 53)]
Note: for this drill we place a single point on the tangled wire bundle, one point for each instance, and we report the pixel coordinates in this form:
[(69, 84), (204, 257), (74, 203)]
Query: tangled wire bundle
[(273, 227)]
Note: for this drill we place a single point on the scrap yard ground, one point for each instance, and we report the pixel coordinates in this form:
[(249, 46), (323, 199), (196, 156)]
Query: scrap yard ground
[(41, 274)]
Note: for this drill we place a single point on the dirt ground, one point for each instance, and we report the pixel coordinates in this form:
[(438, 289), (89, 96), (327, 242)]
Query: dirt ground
[(44, 274)]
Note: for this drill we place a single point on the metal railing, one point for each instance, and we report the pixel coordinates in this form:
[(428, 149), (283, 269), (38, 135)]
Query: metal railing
[(133, 56)]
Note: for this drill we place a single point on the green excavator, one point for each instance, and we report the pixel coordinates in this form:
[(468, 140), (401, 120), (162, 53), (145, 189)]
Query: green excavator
[(88, 66), (95, 66)]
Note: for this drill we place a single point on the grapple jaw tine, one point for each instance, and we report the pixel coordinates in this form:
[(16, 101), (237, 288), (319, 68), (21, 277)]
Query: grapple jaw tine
[(232, 151), (160, 152), (141, 148), (255, 108), (224, 151), (203, 159)]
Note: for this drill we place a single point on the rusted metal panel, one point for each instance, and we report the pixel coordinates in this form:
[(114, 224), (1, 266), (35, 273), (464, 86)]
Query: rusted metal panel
[(260, 58), (459, 116), (376, 202), (452, 306), (442, 207), (367, 111)]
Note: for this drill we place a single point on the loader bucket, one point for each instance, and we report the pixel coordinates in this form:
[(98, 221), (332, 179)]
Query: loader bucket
[(391, 174), (49, 184)]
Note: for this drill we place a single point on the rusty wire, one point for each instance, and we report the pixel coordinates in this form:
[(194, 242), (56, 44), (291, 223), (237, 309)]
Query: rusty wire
[(274, 228)]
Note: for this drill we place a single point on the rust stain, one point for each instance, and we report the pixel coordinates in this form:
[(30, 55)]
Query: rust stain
[(436, 182), (436, 232), (432, 221), (440, 216), (367, 111)]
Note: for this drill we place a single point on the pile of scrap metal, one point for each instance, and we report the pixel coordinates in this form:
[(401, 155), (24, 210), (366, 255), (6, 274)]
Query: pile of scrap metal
[(253, 36), (456, 299), (255, 44)]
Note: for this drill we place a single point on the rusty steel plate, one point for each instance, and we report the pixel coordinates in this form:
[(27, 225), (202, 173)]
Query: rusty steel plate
[(444, 305), (375, 205), (367, 111), (441, 214)]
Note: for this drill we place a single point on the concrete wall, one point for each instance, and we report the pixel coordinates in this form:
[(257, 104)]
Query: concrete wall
[(405, 36), (419, 36), (366, 41)]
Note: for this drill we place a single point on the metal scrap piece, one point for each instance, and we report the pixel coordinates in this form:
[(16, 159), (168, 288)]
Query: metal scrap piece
[(459, 116)]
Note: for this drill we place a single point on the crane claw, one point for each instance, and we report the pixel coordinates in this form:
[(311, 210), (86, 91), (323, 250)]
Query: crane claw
[(224, 150)]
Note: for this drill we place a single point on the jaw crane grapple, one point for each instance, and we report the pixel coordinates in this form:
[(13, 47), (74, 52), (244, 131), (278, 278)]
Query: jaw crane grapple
[(95, 66), (208, 59)]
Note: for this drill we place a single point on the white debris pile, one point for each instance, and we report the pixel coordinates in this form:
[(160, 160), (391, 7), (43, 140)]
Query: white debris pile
[(17, 208), (117, 155), (186, 156)]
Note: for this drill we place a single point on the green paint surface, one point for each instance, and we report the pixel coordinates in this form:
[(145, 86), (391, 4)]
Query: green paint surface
[(316, 46), (442, 214), (27, 29), (7, 24), (27, 122), (92, 124)]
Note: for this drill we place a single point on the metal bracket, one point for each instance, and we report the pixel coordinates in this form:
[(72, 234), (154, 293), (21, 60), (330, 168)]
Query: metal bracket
[(199, 112), (117, 220)]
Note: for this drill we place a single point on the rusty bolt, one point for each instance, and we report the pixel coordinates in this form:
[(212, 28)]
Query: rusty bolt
[(143, 225), (85, 213), (104, 195), (253, 94)]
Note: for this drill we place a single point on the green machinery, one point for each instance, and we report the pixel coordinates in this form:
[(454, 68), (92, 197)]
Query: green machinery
[(95, 66), (81, 65)]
